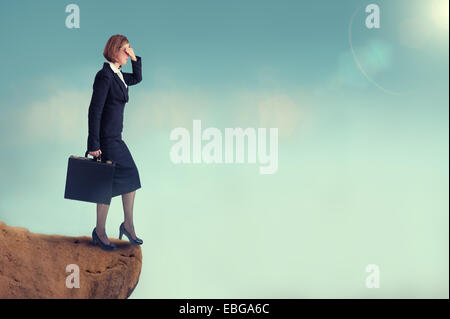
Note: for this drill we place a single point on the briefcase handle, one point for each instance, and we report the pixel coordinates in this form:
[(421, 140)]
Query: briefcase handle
[(99, 158)]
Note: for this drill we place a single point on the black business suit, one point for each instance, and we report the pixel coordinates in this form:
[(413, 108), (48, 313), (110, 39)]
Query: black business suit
[(106, 123)]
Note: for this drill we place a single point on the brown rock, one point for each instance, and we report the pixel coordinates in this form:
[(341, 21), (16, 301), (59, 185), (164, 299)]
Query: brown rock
[(34, 266)]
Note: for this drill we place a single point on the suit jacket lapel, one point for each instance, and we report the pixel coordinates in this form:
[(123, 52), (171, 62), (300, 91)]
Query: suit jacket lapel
[(122, 87)]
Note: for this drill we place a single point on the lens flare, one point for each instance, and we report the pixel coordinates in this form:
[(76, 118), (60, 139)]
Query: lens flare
[(440, 13)]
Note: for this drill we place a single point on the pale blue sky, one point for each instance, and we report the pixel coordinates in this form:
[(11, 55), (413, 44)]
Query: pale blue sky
[(363, 174)]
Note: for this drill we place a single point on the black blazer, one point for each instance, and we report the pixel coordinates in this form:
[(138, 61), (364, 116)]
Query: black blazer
[(108, 103)]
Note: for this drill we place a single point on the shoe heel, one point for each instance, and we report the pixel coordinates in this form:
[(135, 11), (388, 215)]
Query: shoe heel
[(123, 231), (94, 238)]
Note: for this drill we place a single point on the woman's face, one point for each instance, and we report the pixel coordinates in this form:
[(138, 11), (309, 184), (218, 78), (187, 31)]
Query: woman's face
[(122, 55)]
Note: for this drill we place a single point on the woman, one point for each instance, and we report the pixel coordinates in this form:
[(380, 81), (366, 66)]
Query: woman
[(105, 134)]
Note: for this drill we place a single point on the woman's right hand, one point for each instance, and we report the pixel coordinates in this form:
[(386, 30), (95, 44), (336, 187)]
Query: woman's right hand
[(95, 153)]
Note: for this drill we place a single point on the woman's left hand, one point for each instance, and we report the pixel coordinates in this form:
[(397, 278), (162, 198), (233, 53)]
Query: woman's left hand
[(130, 52)]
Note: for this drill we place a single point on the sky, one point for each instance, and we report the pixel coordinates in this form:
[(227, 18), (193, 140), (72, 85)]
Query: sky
[(362, 118)]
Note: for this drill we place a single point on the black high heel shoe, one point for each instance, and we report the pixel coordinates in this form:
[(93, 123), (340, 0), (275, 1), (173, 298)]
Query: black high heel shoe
[(103, 246), (123, 231)]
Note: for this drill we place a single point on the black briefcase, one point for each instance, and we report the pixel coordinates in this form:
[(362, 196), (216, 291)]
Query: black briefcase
[(89, 179)]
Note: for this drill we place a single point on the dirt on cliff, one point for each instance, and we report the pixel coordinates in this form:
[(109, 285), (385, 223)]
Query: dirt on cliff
[(52, 266)]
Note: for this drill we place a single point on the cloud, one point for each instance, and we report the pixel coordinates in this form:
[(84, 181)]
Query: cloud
[(169, 109), (59, 118), (286, 111), (62, 116), (166, 109)]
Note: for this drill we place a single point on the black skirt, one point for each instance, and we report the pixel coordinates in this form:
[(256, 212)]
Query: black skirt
[(126, 176)]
